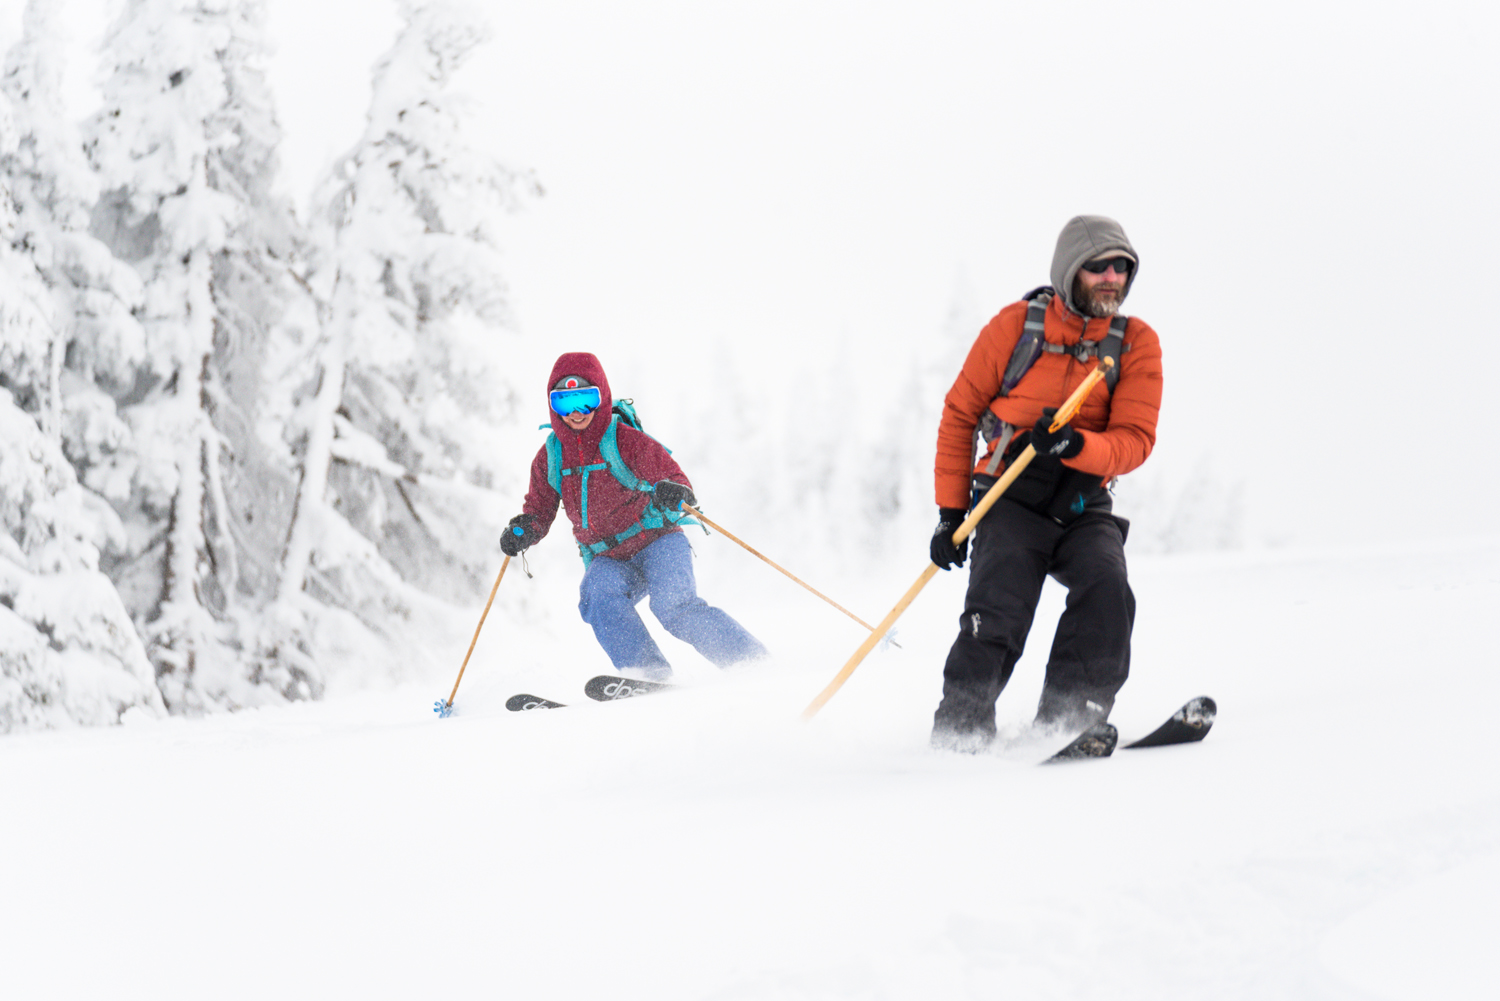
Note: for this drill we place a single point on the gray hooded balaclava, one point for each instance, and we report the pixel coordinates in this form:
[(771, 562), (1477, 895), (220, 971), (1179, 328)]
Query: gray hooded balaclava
[(1084, 238)]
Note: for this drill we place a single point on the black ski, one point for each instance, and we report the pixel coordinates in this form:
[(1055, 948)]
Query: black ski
[(1098, 741), (610, 687), (520, 703), (1190, 723)]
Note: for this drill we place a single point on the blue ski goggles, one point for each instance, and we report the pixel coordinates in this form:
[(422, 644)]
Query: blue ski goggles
[(583, 400)]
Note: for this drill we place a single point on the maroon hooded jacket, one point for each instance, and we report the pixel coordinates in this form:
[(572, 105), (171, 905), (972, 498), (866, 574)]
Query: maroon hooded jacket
[(612, 507)]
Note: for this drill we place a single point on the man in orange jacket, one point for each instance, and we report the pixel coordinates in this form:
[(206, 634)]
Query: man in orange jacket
[(1056, 518)]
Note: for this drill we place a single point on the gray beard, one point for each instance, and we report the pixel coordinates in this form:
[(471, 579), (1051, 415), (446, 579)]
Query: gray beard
[(1091, 304), (1103, 309)]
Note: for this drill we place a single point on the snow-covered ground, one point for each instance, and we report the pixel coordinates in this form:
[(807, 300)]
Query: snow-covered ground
[(1338, 835)]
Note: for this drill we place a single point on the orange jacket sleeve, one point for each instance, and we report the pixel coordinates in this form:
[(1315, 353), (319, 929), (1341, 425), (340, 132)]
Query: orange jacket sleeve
[(1122, 437), (977, 384)]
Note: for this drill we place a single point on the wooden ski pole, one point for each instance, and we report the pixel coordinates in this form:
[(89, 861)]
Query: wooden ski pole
[(1064, 414), (754, 552), (448, 706)]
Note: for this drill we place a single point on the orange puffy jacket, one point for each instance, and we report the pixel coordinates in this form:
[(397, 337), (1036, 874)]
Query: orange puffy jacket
[(1119, 430)]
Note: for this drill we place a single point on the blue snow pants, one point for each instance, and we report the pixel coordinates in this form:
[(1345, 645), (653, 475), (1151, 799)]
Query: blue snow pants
[(663, 570)]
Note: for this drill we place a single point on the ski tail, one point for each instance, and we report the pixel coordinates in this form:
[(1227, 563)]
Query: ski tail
[(522, 703), (611, 687), (1098, 741)]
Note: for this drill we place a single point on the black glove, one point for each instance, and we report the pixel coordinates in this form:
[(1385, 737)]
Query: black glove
[(519, 535), (944, 553), (670, 496), (1064, 443)]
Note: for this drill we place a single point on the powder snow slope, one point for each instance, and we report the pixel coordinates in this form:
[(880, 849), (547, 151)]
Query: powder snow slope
[(1337, 836)]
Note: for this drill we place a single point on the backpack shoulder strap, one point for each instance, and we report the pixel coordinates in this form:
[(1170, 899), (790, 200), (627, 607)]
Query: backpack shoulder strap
[(609, 450), (1112, 347), (1033, 337), (554, 461)]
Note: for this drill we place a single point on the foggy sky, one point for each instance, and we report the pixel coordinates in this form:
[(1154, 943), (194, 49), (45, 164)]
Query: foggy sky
[(1309, 192)]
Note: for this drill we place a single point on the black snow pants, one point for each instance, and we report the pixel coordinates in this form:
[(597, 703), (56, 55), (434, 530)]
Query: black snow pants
[(1013, 551)]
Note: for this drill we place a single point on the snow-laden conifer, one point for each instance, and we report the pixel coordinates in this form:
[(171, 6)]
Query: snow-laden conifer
[(396, 429), (31, 353), (95, 346), (68, 652), (184, 149)]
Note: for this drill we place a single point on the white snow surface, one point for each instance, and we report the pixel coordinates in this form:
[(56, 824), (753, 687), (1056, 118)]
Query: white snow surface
[(1337, 836)]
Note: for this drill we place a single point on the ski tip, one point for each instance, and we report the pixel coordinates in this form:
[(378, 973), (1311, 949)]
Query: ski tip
[(1188, 725), (1197, 715), (1201, 711)]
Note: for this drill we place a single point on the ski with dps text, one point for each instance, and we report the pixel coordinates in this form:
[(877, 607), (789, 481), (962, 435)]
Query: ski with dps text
[(604, 688)]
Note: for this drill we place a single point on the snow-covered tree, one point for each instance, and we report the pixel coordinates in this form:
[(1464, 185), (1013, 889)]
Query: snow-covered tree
[(395, 486), (95, 344), (184, 148), (68, 650), (30, 348), (31, 353)]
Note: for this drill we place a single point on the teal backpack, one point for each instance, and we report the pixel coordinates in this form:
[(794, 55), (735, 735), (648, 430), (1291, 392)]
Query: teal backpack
[(609, 451)]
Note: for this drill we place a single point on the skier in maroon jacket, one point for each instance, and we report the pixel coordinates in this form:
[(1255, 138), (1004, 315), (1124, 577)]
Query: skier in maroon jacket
[(627, 535)]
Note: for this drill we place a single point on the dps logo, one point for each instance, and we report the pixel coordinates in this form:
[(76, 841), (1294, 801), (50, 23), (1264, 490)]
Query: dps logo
[(623, 690)]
